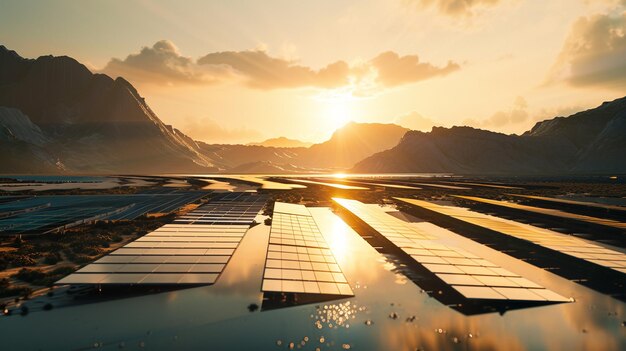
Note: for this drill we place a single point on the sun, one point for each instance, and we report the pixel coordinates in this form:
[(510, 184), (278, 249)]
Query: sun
[(339, 113)]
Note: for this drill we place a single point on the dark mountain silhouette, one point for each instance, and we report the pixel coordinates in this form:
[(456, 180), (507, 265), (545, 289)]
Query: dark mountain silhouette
[(57, 116), (91, 123), (588, 142), (346, 146)]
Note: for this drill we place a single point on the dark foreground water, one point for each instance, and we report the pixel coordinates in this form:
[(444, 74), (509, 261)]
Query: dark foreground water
[(389, 312)]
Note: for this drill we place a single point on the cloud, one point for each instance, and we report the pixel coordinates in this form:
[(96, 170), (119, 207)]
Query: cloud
[(163, 64), (265, 72), (396, 70), (456, 7), (514, 116), (415, 121), (594, 53), (388, 69), (208, 130)]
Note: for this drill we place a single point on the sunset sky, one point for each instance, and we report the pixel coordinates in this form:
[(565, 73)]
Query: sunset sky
[(242, 71)]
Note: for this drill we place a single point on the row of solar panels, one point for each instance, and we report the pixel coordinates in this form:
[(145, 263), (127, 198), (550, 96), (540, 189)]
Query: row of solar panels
[(40, 214), (198, 246)]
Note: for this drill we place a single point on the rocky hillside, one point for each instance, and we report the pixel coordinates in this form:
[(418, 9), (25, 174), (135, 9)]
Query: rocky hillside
[(56, 112), (588, 142)]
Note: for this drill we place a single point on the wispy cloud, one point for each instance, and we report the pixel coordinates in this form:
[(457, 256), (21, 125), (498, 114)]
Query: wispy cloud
[(594, 53), (163, 63), (456, 7)]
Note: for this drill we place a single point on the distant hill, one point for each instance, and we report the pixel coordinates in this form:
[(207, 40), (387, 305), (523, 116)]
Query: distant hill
[(57, 115), (346, 146), (588, 142), (282, 142)]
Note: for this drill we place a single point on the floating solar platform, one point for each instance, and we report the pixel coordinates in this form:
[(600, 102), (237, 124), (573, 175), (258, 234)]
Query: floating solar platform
[(566, 244), (231, 208), (442, 186), (328, 184), (41, 214), (572, 202), (298, 257), (172, 254), (472, 276), (547, 212), (487, 185)]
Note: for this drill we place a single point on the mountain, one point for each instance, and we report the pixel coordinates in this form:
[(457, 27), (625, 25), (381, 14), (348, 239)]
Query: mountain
[(282, 142), (346, 146), (351, 143), (59, 113), (588, 142)]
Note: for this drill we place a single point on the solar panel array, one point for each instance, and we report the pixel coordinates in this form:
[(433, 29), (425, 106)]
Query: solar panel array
[(328, 184), (548, 211), (172, 254), (178, 253), (298, 257), (230, 208), (472, 276), (572, 202), (552, 240), (55, 211)]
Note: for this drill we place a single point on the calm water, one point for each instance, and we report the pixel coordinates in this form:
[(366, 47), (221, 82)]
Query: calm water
[(217, 317)]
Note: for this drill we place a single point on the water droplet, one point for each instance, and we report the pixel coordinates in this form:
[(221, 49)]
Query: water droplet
[(291, 346), (345, 346), (368, 322)]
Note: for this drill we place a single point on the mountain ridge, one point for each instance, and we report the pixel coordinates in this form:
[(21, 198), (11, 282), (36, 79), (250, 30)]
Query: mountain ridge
[(587, 142)]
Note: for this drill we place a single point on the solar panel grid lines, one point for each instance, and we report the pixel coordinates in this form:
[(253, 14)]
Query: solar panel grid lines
[(547, 211), (298, 258), (231, 208), (66, 209), (472, 276), (563, 243), (162, 261), (572, 202)]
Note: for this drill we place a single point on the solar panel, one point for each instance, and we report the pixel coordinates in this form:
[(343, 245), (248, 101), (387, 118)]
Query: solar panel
[(572, 202), (547, 238), (175, 260), (548, 212), (233, 208), (472, 276), (298, 258), (327, 184)]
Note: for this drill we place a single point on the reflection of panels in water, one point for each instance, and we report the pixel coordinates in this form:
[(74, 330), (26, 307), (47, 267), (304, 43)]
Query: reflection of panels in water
[(328, 184), (179, 254), (487, 185), (552, 240), (572, 202), (442, 186), (298, 257), (547, 212), (472, 276), (386, 185), (262, 182), (232, 208)]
